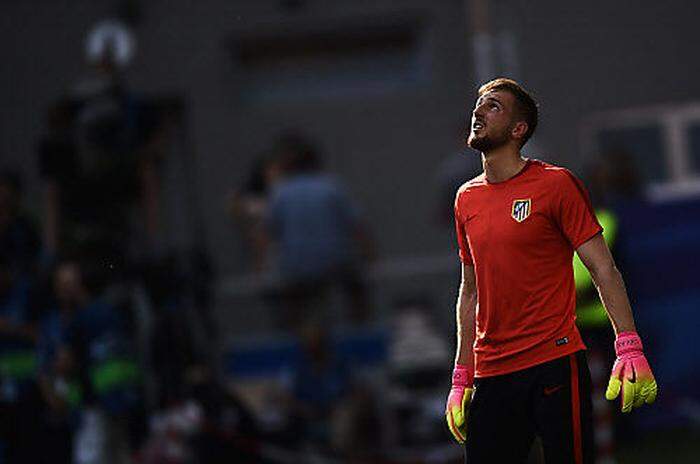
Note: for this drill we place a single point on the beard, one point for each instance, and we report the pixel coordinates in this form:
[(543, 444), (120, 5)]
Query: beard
[(486, 143)]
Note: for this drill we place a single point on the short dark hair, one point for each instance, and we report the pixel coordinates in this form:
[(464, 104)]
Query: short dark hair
[(298, 153), (526, 106)]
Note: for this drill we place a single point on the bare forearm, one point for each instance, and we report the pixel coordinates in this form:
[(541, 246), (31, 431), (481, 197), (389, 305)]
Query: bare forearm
[(596, 256), (613, 294), (466, 323)]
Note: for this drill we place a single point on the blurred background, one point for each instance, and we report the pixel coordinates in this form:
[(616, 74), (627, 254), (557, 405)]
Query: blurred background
[(226, 228)]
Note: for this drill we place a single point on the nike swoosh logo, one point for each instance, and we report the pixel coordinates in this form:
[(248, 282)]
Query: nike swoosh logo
[(549, 390)]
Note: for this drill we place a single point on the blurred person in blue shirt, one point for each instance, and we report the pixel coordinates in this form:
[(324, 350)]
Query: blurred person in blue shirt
[(19, 398), (57, 370), (17, 331), (100, 339), (319, 238)]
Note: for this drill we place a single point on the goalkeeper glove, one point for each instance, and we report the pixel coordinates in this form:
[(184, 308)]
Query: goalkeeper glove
[(458, 401), (631, 374)]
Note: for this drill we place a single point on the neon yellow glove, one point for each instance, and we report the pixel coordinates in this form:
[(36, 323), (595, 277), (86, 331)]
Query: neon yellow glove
[(458, 401), (631, 374)]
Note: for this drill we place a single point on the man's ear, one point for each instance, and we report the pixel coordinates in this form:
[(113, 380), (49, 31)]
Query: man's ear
[(519, 129)]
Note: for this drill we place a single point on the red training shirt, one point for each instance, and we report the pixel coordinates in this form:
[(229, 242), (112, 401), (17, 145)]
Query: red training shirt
[(520, 236)]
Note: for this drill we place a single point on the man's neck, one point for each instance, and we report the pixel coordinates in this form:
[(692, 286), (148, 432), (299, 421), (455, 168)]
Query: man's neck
[(502, 164)]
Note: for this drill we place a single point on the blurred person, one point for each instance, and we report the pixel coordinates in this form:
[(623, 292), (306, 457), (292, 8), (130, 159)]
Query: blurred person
[(590, 313), (19, 240), (99, 160), (319, 237), (57, 370), (520, 368), (615, 181), (597, 334), (614, 185), (100, 341), (332, 413), (248, 206), (20, 401), (318, 385)]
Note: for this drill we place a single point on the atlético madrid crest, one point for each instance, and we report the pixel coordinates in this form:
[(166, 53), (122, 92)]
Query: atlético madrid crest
[(521, 209)]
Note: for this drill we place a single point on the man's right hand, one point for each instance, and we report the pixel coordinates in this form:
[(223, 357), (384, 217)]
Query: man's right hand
[(458, 401)]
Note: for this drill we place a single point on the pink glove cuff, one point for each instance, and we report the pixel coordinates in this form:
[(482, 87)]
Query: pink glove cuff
[(628, 342), (463, 376)]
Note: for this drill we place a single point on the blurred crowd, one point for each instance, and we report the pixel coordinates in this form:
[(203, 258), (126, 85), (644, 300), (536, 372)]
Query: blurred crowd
[(302, 226), (99, 361), (96, 316), (108, 348)]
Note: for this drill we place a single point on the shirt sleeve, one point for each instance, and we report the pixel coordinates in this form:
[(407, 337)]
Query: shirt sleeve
[(464, 253), (574, 213)]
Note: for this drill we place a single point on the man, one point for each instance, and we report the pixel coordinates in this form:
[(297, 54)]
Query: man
[(520, 369), (320, 237)]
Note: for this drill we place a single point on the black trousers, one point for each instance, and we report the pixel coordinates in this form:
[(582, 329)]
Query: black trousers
[(551, 400)]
